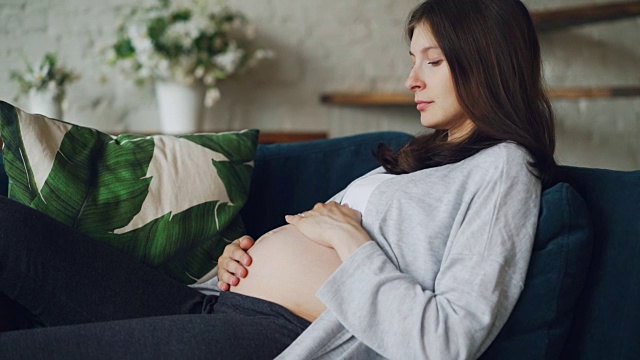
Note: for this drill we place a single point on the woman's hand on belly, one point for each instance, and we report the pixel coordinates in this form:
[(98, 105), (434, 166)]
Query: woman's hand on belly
[(332, 225), (233, 261), (288, 268)]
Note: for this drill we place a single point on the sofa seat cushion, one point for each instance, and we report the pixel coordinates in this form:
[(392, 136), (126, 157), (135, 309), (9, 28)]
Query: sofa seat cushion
[(541, 320)]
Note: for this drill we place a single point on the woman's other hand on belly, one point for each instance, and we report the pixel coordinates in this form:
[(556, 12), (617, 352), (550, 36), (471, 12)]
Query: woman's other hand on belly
[(233, 262), (332, 225)]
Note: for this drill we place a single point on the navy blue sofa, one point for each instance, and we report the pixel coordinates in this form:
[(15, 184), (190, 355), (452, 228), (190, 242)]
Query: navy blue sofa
[(582, 294)]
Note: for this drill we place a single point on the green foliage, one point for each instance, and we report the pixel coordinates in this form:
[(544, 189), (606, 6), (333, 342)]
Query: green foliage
[(186, 44), (49, 75)]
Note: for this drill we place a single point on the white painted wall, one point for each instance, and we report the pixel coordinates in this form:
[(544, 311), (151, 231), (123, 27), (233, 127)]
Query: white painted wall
[(328, 45)]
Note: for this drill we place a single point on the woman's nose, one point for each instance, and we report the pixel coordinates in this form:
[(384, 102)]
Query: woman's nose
[(414, 83)]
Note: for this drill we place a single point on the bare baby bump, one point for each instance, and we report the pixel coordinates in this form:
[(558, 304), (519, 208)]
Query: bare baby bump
[(288, 268)]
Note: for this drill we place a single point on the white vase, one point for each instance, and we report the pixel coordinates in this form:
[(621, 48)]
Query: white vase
[(180, 107), (44, 102)]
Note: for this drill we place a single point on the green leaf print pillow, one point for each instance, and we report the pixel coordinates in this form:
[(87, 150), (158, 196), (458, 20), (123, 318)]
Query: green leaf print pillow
[(172, 202)]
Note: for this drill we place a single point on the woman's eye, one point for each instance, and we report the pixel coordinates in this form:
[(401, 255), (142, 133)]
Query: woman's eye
[(435, 63)]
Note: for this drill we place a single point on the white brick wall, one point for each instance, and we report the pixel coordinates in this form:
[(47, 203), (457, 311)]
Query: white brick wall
[(329, 45)]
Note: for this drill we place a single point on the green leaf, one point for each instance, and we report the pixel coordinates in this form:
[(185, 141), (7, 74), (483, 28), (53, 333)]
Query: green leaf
[(124, 48)]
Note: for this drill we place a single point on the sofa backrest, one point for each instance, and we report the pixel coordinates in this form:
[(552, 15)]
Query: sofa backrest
[(607, 320), (290, 178)]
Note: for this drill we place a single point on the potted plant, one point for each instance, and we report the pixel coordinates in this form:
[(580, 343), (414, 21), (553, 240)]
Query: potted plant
[(185, 50), (45, 85)]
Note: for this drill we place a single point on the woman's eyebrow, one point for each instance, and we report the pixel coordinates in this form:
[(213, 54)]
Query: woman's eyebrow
[(425, 49)]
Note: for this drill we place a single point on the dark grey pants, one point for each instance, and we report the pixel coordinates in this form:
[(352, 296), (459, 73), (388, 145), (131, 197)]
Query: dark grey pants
[(100, 304)]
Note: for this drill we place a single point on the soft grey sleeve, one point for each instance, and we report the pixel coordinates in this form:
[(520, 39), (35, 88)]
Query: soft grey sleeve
[(479, 282)]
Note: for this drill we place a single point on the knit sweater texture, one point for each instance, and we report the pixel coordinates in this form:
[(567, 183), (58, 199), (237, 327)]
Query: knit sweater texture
[(450, 251)]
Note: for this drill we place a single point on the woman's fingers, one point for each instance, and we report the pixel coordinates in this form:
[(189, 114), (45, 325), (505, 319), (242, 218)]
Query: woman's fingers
[(336, 209), (236, 269), (223, 286), (232, 262), (246, 242), (229, 278), (239, 255), (237, 250)]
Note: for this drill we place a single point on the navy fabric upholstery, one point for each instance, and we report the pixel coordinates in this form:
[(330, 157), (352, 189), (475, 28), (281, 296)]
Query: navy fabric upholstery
[(607, 322), (542, 318)]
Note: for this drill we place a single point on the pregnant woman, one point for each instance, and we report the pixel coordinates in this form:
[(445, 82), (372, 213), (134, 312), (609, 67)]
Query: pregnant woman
[(424, 257)]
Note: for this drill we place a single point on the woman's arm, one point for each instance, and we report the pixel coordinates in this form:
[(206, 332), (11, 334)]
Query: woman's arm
[(475, 290)]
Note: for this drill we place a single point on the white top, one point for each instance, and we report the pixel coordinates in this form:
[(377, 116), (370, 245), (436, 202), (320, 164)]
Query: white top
[(357, 194)]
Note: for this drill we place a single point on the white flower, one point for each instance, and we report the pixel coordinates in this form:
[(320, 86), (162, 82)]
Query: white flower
[(209, 79), (211, 97), (259, 55), (200, 23), (170, 52), (229, 60), (180, 33), (199, 73), (139, 38)]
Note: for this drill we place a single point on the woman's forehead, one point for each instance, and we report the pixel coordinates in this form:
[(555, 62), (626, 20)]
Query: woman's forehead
[(422, 41)]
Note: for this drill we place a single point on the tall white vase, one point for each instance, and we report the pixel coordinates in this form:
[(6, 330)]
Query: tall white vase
[(180, 106), (44, 102)]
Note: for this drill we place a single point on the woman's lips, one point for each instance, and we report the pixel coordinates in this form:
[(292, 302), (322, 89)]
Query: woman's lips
[(423, 105)]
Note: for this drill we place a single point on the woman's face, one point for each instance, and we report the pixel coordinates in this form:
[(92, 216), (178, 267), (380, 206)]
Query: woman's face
[(431, 81)]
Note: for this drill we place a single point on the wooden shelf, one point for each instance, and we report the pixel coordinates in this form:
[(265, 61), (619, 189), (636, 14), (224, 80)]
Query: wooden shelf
[(604, 92), (546, 20), (272, 137), (268, 137), (406, 99), (373, 99)]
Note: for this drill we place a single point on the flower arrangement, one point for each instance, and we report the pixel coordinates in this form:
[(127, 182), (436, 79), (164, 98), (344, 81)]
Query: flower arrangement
[(48, 76), (187, 44)]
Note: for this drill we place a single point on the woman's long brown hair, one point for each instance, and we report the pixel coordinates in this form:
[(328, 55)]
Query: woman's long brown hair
[(492, 49)]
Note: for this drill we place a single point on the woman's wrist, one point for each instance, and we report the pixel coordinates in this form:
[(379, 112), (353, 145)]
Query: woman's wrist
[(346, 246)]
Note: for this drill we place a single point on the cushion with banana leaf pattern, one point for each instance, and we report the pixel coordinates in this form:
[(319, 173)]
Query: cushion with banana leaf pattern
[(172, 202)]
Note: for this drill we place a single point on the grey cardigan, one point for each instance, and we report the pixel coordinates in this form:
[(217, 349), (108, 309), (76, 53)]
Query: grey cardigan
[(448, 262)]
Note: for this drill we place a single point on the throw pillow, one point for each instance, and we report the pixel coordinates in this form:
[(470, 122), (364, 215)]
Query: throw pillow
[(541, 320), (169, 201)]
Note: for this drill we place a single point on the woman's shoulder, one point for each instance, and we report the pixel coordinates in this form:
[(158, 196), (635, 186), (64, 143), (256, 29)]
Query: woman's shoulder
[(507, 154), (506, 161)]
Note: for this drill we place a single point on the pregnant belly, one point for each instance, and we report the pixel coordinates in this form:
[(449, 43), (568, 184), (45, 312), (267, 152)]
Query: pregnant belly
[(288, 269)]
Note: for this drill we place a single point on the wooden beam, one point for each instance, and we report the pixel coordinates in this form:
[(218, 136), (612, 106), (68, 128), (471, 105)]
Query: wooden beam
[(289, 137), (546, 20), (406, 99), (604, 92), (372, 99)]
